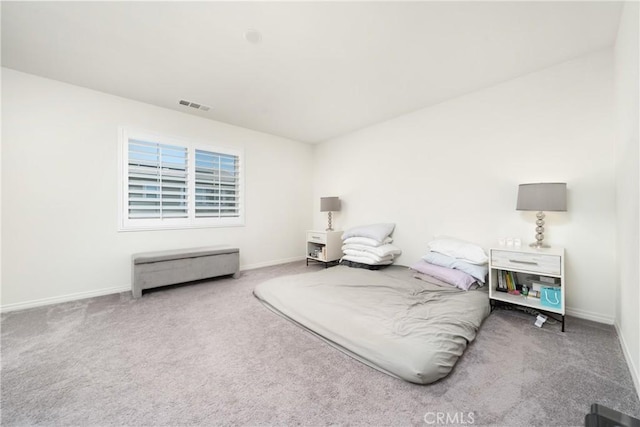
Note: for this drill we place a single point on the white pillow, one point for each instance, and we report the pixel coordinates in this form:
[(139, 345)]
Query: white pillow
[(381, 251), (374, 231), (461, 249), (366, 241), (368, 255)]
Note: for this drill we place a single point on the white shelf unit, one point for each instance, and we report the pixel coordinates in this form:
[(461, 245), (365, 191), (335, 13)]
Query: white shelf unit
[(327, 244), (528, 262)]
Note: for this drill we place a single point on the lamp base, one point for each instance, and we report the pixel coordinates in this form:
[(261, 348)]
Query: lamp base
[(539, 230), (329, 227)]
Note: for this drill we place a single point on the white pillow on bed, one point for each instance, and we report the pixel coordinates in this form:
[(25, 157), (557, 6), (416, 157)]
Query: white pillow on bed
[(456, 248), (377, 232), (381, 251), (368, 255), (367, 241)]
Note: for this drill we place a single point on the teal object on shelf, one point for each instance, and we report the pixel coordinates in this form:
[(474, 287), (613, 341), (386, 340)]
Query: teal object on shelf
[(551, 297)]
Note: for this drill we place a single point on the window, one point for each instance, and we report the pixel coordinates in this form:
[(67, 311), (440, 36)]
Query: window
[(170, 183)]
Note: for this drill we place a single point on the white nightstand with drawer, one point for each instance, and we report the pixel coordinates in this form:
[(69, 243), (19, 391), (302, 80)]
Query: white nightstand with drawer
[(324, 246), (532, 267)]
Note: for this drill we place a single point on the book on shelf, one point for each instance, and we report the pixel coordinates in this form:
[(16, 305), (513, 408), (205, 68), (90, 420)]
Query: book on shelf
[(503, 284), (511, 283), (514, 282)]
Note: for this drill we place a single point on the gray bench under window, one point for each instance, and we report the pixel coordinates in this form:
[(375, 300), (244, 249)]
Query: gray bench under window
[(161, 268)]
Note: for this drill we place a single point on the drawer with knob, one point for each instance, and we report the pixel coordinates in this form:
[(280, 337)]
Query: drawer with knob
[(316, 237), (539, 263)]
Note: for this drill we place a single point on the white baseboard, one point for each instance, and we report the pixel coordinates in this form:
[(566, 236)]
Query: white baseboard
[(589, 315), (627, 355), (62, 298), (106, 291)]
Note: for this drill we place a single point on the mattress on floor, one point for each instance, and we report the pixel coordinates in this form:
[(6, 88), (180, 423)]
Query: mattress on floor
[(398, 324)]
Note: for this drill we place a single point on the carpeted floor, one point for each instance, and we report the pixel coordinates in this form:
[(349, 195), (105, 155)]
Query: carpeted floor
[(211, 354)]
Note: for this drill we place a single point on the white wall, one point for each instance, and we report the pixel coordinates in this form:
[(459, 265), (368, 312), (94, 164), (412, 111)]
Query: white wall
[(453, 169), (627, 186), (60, 196)]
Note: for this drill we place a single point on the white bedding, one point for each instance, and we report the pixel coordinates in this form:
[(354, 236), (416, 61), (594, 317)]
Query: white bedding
[(381, 251), (371, 258)]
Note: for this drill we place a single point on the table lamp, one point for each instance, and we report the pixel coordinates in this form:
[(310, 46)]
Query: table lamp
[(329, 204), (540, 197)]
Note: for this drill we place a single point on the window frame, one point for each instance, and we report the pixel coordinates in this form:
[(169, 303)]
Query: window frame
[(125, 223)]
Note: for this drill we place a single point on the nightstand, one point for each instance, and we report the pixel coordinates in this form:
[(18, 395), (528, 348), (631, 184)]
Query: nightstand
[(324, 246), (511, 267)]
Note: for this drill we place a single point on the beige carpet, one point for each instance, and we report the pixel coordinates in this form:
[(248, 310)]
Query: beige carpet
[(211, 354)]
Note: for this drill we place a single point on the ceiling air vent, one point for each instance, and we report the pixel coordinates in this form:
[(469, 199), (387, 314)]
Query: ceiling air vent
[(194, 105)]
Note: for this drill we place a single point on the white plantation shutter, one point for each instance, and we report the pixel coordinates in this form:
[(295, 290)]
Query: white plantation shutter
[(217, 185), (157, 180), (169, 183)]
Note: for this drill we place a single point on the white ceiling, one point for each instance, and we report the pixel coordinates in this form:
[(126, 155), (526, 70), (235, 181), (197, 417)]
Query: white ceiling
[(322, 69)]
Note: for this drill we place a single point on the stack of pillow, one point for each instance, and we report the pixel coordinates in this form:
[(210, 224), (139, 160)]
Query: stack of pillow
[(369, 245), (453, 262)]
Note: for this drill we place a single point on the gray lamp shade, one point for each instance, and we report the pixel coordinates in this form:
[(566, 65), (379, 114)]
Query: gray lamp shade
[(543, 196), (329, 204)]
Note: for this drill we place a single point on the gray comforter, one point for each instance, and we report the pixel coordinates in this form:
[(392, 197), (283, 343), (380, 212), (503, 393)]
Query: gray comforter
[(387, 319)]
